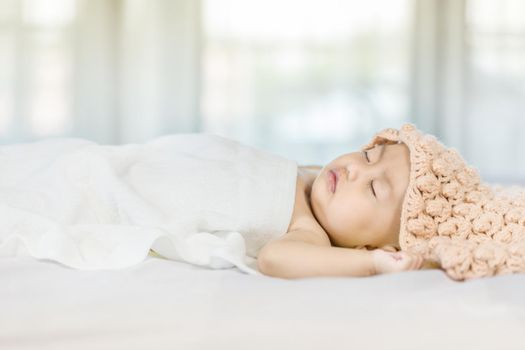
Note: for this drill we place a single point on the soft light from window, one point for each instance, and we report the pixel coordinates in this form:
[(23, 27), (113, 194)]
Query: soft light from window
[(49, 12), (289, 73)]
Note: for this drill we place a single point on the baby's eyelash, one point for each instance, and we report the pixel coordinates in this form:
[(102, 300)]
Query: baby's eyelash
[(372, 188), (366, 156), (370, 183)]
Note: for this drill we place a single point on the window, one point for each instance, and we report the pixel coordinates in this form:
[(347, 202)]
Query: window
[(309, 78), (36, 69), (495, 89)]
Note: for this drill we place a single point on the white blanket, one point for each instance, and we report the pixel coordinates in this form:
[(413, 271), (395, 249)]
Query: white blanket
[(198, 198)]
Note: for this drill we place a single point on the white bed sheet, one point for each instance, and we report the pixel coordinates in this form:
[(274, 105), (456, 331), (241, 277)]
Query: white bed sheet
[(162, 304)]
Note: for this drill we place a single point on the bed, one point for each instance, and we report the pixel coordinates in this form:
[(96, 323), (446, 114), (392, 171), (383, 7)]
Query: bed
[(164, 304)]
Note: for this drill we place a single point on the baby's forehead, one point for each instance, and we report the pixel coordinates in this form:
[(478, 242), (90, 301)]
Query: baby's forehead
[(396, 148), (391, 144)]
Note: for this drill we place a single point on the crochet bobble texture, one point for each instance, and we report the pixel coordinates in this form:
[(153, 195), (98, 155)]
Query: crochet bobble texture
[(467, 227)]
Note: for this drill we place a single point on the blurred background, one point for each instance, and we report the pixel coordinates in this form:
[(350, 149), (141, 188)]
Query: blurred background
[(306, 79)]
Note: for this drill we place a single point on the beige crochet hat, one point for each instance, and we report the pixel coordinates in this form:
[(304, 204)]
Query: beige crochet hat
[(468, 228)]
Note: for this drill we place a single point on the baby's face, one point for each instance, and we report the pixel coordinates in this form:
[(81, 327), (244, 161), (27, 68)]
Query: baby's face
[(365, 208)]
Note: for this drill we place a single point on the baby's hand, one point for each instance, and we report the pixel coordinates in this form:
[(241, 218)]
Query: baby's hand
[(387, 262)]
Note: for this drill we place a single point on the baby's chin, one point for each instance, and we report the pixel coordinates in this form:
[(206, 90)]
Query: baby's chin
[(315, 202), (319, 189), (317, 206)]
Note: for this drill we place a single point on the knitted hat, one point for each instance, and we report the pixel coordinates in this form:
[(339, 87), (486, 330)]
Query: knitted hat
[(468, 228)]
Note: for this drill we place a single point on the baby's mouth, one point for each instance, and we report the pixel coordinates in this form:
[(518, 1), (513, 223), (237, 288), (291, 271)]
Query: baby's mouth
[(332, 180)]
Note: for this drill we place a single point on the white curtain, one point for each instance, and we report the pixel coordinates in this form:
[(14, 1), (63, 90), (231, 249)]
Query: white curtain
[(309, 79), (306, 79), (468, 81), (110, 70)]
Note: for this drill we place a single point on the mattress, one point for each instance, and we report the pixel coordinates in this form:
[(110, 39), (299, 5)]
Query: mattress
[(164, 304)]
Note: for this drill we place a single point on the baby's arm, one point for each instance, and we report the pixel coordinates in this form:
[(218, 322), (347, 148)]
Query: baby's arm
[(304, 253)]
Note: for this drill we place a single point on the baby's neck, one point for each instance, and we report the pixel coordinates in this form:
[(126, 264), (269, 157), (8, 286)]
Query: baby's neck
[(302, 214)]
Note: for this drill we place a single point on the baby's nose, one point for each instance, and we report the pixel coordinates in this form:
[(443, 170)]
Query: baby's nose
[(354, 170), (350, 172)]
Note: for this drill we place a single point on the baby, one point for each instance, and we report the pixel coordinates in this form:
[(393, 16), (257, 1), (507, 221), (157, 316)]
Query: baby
[(354, 202), (405, 191)]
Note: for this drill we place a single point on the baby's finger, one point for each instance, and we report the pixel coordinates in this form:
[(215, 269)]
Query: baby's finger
[(414, 261), (419, 262), (405, 261)]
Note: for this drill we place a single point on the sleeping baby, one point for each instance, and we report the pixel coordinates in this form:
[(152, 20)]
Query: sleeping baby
[(403, 202), (405, 191), (341, 213)]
